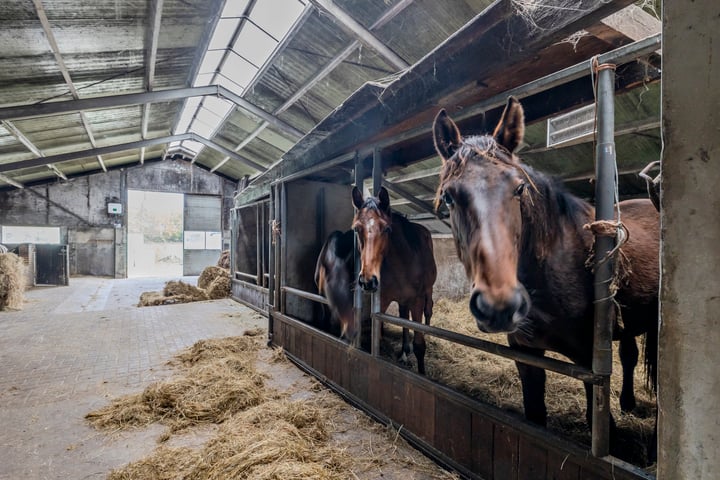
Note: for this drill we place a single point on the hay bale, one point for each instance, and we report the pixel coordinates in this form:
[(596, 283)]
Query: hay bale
[(219, 288), (178, 287), (12, 281), (224, 260), (209, 274)]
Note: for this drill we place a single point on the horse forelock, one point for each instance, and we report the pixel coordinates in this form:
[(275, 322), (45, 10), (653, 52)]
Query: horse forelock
[(474, 148)]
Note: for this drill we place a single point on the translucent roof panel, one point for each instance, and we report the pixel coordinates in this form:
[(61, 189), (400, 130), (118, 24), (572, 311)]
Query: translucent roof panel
[(276, 17), (211, 61), (254, 44), (223, 33), (234, 8), (238, 70)]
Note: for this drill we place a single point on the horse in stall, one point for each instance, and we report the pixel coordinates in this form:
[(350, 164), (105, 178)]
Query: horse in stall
[(397, 255), (334, 277), (522, 241)]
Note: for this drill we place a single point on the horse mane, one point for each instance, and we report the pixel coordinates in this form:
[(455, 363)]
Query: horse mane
[(546, 206)]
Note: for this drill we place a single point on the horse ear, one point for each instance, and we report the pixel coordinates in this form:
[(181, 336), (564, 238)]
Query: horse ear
[(384, 199), (446, 135), (511, 129), (357, 198)]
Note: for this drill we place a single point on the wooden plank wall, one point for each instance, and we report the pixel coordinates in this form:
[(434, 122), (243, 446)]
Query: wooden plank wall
[(479, 441)]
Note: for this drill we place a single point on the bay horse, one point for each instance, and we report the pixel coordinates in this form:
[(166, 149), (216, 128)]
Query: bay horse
[(398, 255), (334, 277), (521, 238)]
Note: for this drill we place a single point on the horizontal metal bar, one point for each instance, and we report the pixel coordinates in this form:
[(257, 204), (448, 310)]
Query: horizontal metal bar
[(317, 168), (245, 275), (304, 294), (55, 108), (558, 366)]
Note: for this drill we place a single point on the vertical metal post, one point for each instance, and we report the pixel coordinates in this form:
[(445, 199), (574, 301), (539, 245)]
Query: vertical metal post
[(282, 222), (357, 292), (258, 246), (375, 300), (272, 251), (376, 324), (604, 310), (377, 171)]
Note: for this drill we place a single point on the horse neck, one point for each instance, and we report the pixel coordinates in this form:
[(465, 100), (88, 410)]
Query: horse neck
[(549, 214)]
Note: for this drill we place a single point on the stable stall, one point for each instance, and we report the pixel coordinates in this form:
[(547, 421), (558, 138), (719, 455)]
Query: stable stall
[(381, 136)]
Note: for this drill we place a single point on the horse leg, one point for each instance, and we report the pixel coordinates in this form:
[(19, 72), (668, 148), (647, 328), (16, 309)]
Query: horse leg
[(628, 359), (419, 345), (404, 313), (533, 386)]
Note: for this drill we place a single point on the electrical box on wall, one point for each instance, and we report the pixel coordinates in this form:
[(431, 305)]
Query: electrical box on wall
[(114, 208)]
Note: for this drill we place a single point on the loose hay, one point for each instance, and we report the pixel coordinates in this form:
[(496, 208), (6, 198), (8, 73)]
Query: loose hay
[(217, 379), (209, 274), (178, 287), (219, 288), (280, 437), (224, 260), (12, 281)]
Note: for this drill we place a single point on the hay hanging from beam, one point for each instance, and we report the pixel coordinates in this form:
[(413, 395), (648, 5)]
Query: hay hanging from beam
[(12, 281)]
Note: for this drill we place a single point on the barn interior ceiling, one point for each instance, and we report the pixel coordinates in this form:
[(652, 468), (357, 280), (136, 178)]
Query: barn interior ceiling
[(249, 89)]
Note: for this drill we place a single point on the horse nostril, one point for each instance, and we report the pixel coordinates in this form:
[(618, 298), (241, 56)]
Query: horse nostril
[(478, 307)]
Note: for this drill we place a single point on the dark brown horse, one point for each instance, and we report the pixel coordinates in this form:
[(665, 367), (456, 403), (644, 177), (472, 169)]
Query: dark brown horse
[(398, 254), (520, 236), (335, 278)]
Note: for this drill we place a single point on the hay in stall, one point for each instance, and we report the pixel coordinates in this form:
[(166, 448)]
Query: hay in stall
[(12, 281), (494, 380), (219, 288), (293, 435), (178, 287)]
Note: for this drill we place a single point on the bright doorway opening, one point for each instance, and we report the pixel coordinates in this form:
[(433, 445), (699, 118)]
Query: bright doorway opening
[(155, 234)]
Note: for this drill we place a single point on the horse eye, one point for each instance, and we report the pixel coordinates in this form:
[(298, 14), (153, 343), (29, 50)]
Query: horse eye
[(520, 189), (448, 199), (387, 229)]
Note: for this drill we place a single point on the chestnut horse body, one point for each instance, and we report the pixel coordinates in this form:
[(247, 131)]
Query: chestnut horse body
[(522, 240), (396, 255)]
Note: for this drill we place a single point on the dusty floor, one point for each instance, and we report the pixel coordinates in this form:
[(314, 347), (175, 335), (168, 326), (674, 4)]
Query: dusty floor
[(73, 349)]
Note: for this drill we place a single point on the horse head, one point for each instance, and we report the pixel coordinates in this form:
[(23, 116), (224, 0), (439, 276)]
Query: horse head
[(483, 185), (372, 225)]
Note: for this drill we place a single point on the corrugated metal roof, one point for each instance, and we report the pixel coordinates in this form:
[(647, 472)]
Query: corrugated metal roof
[(109, 48)]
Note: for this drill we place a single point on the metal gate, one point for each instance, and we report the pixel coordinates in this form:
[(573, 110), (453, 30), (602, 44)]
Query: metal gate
[(52, 264)]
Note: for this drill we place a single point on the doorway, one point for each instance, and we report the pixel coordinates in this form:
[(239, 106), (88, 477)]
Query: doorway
[(155, 234)]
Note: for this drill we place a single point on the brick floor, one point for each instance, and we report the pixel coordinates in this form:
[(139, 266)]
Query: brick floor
[(70, 350)]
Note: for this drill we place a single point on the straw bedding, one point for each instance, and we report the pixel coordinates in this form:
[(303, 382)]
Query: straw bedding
[(495, 380), (12, 281), (302, 432)]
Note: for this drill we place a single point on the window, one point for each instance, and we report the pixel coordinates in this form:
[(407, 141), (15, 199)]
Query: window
[(30, 235)]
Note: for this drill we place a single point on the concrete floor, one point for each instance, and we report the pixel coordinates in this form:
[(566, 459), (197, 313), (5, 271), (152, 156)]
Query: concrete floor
[(72, 349)]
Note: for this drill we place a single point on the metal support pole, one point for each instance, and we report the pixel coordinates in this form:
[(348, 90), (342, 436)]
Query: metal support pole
[(357, 292), (377, 171), (376, 323), (258, 246), (604, 309), (282, 225), (272, 265)]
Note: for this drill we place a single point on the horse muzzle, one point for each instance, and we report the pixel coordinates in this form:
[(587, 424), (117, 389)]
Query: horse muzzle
[(494, 317), (368, 284)]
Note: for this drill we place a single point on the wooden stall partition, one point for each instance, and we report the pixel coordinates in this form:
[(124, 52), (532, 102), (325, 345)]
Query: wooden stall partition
[(477, 440)]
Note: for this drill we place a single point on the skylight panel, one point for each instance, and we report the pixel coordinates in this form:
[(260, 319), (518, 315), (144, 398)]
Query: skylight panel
[(276, 17), (223, 81), (238, 70), (223, 33), (193, 146), (254, 44), (217, 106), (235, 8), (211, 61), (203, 80)]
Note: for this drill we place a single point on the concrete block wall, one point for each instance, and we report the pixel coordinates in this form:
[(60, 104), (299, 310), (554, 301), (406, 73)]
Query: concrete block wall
[(79, 208)]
